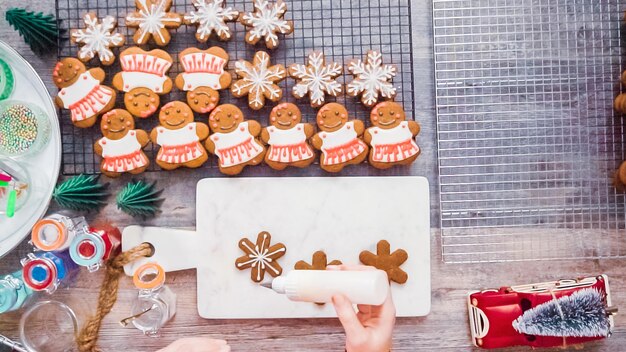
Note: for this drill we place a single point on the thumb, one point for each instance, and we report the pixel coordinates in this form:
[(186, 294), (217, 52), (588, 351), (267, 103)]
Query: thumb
[(347, 316)]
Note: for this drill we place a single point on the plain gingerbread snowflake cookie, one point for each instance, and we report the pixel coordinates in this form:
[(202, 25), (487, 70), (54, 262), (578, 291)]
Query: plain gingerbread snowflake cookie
[(265, 22), (371, 78), (97, 38), (316, 79)]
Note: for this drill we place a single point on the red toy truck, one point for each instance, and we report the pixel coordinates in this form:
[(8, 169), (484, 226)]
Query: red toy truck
[(492, 312)]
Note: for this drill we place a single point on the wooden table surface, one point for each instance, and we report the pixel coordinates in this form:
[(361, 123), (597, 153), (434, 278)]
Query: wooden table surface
[(445, 328)]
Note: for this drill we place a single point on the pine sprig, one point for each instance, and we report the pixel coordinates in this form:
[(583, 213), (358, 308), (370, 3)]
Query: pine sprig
[(39, 31), (81, 193), (139, 198), (581, 314)]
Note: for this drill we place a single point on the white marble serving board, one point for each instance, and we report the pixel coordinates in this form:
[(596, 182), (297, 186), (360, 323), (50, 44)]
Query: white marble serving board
[(339, 215)]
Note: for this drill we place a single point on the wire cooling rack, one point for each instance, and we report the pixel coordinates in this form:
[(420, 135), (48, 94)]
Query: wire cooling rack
[(528, 140), (342, 29)]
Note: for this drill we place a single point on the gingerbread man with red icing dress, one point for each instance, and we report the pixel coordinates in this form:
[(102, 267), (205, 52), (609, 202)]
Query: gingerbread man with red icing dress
[(82, 92), (234, 141), (391, 136), (338, 139), (287, 138), (142, 79), (121, 147), (179, 137)]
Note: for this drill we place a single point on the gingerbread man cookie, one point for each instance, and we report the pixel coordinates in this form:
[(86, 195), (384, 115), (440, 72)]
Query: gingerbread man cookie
[(287, 138), (97, 39), (121, 147), (371, 78), (261, 257), (81, 91), (387, 261), (234, 141), (204, 74), (266, 22), (179, 137), (338, 139), (143, 78), (391, 137), (211, 17), (258, 80), (153, 20), (316, 79)]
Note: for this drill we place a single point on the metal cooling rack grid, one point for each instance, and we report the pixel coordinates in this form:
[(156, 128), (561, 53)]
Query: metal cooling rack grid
[(343, 29), (527, 136)]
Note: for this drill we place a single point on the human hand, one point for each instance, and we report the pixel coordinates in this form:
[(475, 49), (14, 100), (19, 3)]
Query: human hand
[(369, 330), (197, 344)]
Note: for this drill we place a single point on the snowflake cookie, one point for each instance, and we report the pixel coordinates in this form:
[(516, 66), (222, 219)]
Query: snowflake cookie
[(371, 78), (266, 22), (387, 261), (316, 79), (97, 39), (261, 257), (211, 16), (153, 19), (258, 80)]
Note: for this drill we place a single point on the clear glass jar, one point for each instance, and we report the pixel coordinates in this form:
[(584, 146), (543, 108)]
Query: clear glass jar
[(44, 271), (96, 245), (49, 326), (155, 304), (13, 292), (24, 128), (56, 232)]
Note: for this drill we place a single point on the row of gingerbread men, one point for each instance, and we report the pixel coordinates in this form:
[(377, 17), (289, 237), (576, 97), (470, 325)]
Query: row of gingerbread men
[(144, 78), (238, 142)]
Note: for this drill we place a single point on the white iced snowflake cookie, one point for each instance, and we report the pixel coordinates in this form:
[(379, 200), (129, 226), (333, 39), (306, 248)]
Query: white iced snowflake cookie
[(258, 80), (371, 78), (97, 38), (153, 19), (266, 21), (316, 79), (261, 257), (211, 17)]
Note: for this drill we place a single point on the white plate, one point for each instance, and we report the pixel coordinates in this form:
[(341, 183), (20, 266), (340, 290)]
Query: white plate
[(43, 167)]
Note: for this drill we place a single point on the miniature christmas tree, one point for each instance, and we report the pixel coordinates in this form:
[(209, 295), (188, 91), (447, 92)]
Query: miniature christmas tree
[(581, 314), (39, 31), (139, 198), (82, 192)]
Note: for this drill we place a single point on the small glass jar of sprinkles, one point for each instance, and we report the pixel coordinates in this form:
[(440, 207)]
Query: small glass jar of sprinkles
[(24, 128)]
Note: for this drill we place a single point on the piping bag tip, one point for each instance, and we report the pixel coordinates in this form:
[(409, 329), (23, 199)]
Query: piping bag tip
[(266, 284)]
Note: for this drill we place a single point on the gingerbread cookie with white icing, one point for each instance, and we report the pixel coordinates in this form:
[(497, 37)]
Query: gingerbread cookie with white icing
[(179, 137), (372, 79), (259, 80), (204, 73), (142, 79), (287, 138), (121, 148), (339, 139), (391, 137), (81, 91), (97, 38), (265, 22), (261, 257), (234, 141), (153, 19), (211, 17)]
